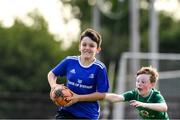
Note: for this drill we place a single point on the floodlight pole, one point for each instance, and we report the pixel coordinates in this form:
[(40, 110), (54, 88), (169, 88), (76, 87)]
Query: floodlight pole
[(96, 21), (153, 32), (134, 33), (96, 18)]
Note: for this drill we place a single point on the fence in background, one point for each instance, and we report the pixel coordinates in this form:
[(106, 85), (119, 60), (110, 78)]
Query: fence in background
[(39, 106), (26, 105)]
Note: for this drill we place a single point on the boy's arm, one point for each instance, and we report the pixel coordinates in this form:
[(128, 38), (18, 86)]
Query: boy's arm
[(52, 80), (112, 97), (162, 107)]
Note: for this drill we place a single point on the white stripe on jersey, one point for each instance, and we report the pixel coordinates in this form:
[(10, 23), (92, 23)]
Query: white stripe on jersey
[(100, 64), (97, 62), (72, 57)]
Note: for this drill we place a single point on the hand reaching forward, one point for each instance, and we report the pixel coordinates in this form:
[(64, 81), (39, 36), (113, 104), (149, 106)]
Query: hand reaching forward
[(136, 103), (162, 107)]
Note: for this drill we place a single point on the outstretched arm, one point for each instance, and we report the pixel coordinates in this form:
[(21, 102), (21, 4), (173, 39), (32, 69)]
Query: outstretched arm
[(112, 97), (162, 107), (87, 97)]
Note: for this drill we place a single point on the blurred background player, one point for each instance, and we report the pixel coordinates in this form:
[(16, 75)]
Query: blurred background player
[(147, 100), (86, 77)]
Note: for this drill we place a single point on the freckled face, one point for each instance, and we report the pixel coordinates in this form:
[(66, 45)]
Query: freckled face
[(143, 84), (88, 48)]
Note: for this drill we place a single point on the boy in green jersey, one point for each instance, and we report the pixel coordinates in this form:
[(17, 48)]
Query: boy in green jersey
[(147, 100)]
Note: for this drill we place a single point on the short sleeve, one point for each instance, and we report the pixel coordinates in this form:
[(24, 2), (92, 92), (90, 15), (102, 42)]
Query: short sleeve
[(61, 68), (102, 80), (159, 98), (129, 95)]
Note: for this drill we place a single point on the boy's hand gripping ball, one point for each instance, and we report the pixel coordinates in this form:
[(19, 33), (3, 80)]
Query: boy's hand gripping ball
[(59, 95)]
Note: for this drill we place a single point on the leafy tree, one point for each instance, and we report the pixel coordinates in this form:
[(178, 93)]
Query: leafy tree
[(169, 34), (27, 55)]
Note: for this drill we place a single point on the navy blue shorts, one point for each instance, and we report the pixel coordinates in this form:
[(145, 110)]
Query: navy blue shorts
[(62, 114)]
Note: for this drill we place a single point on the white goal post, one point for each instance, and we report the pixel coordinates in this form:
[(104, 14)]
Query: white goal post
[(118, 108)]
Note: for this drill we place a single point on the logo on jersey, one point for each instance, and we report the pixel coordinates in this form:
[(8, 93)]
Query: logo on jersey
[(80, 85), (91, 76), (79, 81), (144, 113), (73, 71)]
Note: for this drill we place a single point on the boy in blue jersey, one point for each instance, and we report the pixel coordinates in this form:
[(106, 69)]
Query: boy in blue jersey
[(86, 77), (148, 101)]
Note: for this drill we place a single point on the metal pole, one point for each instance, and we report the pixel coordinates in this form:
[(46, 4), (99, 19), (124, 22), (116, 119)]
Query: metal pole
[(96, 21), (134, 33), (96, 18), (153, 32)]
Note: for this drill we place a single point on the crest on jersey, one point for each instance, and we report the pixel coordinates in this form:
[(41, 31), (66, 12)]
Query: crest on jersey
[(91, 76), (73, 71), (144, 113), (79, 81)]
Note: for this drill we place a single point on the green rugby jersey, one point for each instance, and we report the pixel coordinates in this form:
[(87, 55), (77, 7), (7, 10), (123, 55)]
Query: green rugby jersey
[(154, 97)]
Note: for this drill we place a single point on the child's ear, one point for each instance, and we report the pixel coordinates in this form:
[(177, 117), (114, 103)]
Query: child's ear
[(79, 48), (153, 85), (98, 50)]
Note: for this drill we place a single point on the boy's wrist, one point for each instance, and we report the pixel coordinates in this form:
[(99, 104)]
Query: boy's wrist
[(53, 86), (144, 105)]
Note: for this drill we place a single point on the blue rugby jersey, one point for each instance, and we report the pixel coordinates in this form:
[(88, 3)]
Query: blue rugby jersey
[(83, 80)]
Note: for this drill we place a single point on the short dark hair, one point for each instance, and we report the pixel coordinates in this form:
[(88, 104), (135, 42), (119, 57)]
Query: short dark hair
[(93, 35), (149, 71)]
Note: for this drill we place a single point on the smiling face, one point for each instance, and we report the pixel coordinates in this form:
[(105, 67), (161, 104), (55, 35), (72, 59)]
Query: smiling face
[(88, 48), (143, 84)]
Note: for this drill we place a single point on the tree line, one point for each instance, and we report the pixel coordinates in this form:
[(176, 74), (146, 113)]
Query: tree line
[(29, 52)]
